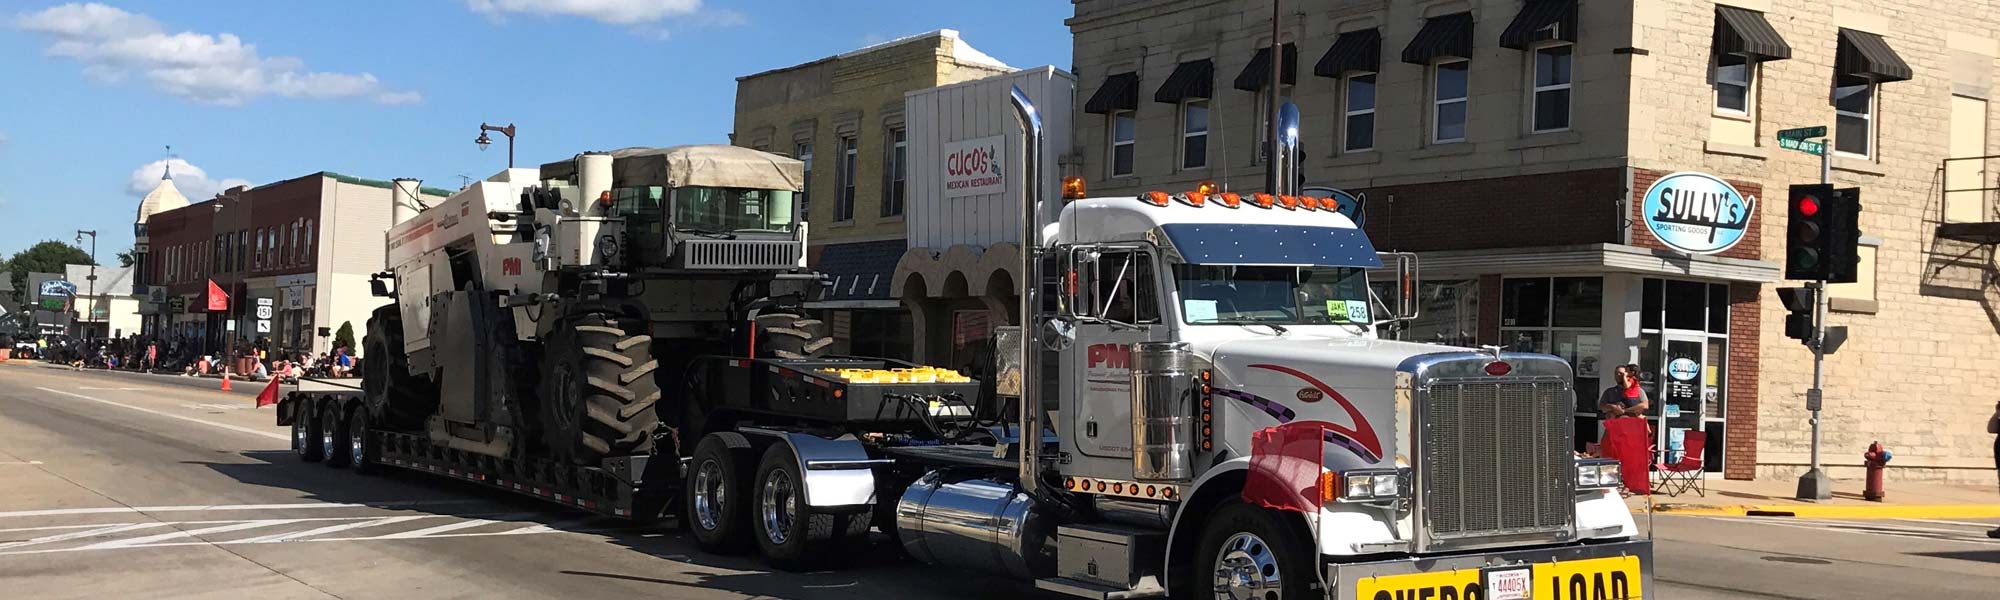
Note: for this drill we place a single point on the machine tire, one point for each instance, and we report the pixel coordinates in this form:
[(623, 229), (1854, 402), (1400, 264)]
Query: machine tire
[(715, 481), (789, 335), (305, 433), (333, 435), (1260, 540), (359, 455), (792, 535), (600, 392), (406, 399)]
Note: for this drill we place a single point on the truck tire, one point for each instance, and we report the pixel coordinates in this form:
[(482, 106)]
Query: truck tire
[(792, 535), (305, 433), (713, 497), (406, 399), (359, 455), (333, 434), (789, 335), (1251, 552), (599, 395)]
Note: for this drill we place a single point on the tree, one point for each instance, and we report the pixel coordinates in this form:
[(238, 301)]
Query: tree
[(344, 337), (45, 257), (127, 258)]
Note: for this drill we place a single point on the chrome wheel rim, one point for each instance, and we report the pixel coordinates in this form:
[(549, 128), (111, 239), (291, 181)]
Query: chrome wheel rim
[(326, 427), (357, 437), (777, 506), (1246, 569), (299, 436), (708, 495)]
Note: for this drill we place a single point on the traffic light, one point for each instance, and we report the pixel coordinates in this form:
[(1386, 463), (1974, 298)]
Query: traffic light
[(1799, 322), (1843, 236), (1806, 232)]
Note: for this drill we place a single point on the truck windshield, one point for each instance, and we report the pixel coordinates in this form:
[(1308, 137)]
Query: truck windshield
[(729, 210), (1228, 294)]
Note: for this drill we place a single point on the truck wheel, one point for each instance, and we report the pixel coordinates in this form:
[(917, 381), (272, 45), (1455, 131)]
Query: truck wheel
[(333, 435), (600, 390), (713, 505), (792, 535), (788, 335), (406, 399), (305, 434), (358, 455), (1249, 552)]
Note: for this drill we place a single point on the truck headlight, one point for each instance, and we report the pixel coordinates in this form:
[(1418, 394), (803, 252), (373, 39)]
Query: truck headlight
[(1370, 485), (1598, 474)]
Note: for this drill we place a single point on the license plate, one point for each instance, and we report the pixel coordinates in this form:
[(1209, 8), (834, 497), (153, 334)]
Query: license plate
[(1615, 578)]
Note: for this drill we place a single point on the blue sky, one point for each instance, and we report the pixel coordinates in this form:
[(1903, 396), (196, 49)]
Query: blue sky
[(266, 91)]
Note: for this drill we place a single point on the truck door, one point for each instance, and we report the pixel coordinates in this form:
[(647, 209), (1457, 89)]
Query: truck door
[(1117, 301)]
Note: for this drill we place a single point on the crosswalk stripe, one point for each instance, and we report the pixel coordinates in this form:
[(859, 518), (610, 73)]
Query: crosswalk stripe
[(438, 529), (119, 528), (142, 541), (282, 537)]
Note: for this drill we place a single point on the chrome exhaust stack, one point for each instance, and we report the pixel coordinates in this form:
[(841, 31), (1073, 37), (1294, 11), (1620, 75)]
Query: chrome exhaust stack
[(1286, 164), (1031, 292)]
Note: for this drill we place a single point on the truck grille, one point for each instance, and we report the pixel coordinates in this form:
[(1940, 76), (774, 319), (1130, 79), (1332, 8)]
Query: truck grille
[(739, 254), (1496, 459)]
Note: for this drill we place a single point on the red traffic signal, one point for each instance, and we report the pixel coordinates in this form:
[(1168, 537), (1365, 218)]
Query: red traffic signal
[(1807, 206), (1805, 232)]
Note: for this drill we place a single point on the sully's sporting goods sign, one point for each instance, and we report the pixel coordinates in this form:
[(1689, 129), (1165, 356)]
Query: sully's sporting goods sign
[(1696, 213)]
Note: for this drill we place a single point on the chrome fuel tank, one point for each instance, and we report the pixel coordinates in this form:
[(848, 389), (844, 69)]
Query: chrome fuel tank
[(974, 523)]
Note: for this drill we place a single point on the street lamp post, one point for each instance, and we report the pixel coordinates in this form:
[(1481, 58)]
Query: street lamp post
[(93, 275), (484, 141)]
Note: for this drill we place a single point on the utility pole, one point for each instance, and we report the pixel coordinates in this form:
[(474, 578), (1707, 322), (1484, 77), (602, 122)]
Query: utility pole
[(93, 277), (1271, 168)]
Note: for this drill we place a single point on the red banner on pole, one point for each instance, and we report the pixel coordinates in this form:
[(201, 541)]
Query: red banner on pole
[(217, 300)]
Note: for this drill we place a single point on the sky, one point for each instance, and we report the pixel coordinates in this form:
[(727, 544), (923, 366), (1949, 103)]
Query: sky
[(260, 92)]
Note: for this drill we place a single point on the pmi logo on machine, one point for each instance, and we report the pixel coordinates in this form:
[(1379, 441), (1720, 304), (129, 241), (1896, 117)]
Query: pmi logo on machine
[(1109, 356), (1696, 213)]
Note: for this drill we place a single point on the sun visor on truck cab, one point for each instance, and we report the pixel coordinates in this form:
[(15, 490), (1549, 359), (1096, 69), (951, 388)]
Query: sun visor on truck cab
[(1237, 244), (712, 165)]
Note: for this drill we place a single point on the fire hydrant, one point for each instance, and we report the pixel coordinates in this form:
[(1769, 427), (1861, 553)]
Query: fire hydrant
[(1877, 459)]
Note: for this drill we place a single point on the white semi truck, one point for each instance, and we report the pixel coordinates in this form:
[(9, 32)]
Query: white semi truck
[(1167, 337)]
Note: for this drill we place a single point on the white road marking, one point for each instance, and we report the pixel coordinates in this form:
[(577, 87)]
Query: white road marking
[(20, 462), (153, 539), (257, 432), (119, 528), (438, 529), (52, 527), (113, 389), (1943, 522), (1810, 525), (226, 507), (285, 537), (215, 406)]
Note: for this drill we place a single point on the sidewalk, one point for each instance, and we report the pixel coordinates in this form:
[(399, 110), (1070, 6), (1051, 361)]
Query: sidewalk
[(1773, 498)]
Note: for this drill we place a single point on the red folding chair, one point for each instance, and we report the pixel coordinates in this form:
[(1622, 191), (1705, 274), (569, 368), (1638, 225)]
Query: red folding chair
[(1685, 475)]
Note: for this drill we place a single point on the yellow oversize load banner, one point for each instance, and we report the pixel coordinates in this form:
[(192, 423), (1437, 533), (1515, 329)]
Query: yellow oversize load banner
[(1616, 578)]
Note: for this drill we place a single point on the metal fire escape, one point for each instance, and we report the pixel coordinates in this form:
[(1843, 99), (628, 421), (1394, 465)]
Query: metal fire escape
[(1968, 180)]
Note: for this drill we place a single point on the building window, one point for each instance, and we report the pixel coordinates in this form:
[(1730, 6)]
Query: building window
[(1124, 133), (804, 150), (242, 250), (1735, 82), (1853, 116), (257, 258), (843, 206), (1358, 128), (1448, 101), (1194, 134), (896, 190), (1552, 87), (216, 254), (309, 240)]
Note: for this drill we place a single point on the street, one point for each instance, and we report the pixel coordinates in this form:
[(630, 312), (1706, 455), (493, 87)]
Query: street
[(126, 486)]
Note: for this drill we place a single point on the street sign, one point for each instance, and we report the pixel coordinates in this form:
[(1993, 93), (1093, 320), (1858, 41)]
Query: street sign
[(263, 301), (1813, 399), (263, 312), (1800, 133), (263, 326), (1808, 147)]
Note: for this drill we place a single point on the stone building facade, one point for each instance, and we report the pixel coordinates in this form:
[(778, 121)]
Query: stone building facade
[(1514, 145), (843, 116)]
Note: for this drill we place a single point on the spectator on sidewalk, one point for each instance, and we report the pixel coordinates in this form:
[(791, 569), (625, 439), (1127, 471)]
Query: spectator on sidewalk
[(343, 364), (1625, 398)]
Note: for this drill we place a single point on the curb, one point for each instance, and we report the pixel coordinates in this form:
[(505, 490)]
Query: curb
[(1910, 511)]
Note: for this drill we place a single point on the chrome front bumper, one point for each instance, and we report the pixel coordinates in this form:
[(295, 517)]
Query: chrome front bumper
[(1345, 576)]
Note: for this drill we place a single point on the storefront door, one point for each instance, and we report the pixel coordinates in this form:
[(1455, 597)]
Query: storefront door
[(1684, 366)]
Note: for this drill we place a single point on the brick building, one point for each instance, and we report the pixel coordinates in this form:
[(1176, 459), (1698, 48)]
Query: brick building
[(302, 248), (1523, 149), (846, 111)]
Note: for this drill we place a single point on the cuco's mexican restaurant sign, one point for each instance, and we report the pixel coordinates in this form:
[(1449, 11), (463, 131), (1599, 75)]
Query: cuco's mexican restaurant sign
[(972, 167), (1697, 213)]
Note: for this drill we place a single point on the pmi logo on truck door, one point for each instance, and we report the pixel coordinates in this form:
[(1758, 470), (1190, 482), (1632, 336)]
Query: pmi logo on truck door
[(1108, 356)]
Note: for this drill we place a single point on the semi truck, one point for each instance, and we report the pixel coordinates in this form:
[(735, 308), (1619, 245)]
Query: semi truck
[(600, 334)]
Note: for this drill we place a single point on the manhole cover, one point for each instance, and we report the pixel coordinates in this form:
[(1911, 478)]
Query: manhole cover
[(1798, 560)]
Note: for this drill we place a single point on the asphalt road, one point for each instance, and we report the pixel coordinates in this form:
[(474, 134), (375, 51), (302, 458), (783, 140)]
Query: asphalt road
[(116, 486)]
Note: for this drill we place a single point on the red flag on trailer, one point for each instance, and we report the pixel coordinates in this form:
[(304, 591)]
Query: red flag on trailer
[(217, 300), (1285, 467), (270, 394)]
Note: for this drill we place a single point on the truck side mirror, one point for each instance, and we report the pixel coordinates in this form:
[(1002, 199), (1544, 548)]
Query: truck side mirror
[(378, 288), (1407, 304)]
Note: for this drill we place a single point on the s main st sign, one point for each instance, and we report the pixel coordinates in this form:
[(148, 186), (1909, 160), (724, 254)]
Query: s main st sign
[(1696, 213)]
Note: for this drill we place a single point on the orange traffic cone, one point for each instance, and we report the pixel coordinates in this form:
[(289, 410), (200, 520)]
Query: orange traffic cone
[(225, 380)]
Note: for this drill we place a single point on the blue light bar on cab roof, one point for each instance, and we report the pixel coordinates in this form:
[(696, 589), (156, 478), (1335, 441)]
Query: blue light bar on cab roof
[(1300, 245)]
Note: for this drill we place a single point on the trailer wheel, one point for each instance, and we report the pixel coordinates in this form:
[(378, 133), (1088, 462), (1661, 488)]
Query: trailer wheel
[(358, 455), (1249, 552), (600, 392), (406, 399), (788, 335), (333, 435), (305, 433), (792, 535), (714, 497)]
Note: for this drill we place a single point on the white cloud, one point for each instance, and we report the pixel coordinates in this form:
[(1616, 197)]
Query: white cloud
[(191, 180), (643, 16), (114, 45)]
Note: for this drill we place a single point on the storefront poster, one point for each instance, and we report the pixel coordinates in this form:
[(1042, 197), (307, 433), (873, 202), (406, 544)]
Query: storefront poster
[(1587, 347), (1696, 213)]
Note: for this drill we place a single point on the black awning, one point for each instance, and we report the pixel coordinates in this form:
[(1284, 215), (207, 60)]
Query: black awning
[(1352, 51), (1258, 74), (1867, 55), (1541, 21), (1745, 32), (1119, 92), (1192, 79), (857, 271), (1446, 36)]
